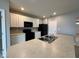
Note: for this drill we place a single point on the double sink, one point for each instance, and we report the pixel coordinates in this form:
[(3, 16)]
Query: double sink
[(48, 38)]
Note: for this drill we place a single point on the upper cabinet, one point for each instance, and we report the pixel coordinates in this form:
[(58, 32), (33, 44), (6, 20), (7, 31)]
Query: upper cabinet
[(14, 20), (21, 21), (28, 19), (18, 20), (35, 22)]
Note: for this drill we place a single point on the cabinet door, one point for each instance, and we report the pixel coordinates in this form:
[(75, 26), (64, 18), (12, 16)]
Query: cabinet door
[(35, 22), (45, 21), (14, 20), (21, 21), (28, 19)]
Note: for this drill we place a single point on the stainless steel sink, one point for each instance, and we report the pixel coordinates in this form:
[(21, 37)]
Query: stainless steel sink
[(48, 39)]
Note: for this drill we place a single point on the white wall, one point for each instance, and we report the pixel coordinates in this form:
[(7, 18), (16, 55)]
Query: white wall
[(4, 4), (45, 21), (77, 29), (65, 23), (52, 26), (77, 25)]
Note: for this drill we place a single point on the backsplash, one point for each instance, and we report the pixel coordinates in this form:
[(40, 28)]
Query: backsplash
[(20, 29)]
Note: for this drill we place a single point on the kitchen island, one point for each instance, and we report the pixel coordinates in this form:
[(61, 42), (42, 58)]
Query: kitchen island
[(62, 47)]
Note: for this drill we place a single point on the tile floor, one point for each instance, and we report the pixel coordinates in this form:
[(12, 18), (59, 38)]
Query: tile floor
[(62, 47)]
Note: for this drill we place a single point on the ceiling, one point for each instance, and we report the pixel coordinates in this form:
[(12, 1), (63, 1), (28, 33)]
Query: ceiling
[(42, 7)]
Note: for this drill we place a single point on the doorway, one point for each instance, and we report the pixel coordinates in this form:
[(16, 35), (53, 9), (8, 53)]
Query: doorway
[(2, 34)]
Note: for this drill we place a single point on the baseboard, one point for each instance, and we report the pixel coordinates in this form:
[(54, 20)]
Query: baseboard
[(66, 34)]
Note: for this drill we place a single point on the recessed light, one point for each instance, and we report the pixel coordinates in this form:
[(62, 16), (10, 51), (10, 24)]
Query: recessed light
[(22, 8), (54, 13), (77, 23), (44, 16)]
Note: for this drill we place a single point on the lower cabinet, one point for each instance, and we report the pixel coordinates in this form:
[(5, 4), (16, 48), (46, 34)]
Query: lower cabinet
[(17, 38), (37, 35)]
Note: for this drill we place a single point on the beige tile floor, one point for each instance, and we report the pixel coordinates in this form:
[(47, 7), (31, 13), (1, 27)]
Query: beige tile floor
[(63, 47)]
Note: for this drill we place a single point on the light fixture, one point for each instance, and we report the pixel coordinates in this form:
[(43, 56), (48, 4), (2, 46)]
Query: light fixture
[(22, 8), (44, 16), (77, 23), (54, 13)]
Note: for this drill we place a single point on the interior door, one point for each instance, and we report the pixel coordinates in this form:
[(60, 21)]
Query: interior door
[(2, 34)]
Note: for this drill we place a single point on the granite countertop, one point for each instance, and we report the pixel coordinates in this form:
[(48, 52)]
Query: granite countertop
[(61, 48)]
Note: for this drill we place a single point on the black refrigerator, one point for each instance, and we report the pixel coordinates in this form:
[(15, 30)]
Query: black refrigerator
[(29, 35), (43, 28)]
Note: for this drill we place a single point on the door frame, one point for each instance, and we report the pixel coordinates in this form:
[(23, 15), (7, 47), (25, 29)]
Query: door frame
[(4, 40)]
